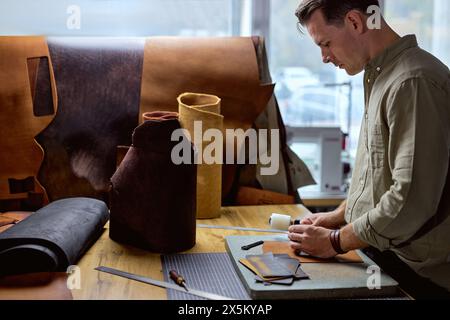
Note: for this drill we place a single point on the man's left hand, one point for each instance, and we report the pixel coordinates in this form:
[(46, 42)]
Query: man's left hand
[(311, 240)]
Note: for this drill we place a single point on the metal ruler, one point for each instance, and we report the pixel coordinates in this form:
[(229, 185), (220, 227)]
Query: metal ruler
[(207, 226), (161, 284)]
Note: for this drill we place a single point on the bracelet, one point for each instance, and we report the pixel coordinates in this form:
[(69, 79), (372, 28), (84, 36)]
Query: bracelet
[(336, 241)]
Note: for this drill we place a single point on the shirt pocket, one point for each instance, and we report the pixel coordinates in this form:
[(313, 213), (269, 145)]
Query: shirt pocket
[(377, 146)]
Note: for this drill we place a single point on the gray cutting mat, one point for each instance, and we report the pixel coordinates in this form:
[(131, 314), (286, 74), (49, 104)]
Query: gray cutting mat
[(211, 272), (327, 280)]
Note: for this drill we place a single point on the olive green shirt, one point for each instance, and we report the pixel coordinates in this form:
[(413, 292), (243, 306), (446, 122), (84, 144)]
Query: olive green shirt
[(403, 158)]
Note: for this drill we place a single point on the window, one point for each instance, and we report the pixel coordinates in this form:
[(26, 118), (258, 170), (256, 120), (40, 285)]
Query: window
[(119, 17)]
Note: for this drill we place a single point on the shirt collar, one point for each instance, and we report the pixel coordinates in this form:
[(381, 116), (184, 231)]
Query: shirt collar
[(392, 52)]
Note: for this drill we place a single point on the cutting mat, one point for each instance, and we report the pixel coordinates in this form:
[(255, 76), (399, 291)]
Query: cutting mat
[(210, 272), (327, 280)]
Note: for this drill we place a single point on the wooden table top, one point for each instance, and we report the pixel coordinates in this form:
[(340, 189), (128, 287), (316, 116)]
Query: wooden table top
[(100, 286)]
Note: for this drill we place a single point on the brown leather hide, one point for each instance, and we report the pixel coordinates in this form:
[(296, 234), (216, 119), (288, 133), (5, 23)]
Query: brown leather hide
[(225, 67), (24, 67), (98, 82)]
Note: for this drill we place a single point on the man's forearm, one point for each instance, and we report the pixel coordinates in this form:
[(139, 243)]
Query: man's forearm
[(349, 240), (339, 213)]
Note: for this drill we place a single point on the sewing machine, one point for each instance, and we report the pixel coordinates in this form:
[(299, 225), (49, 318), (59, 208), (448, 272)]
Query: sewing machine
[(320, 149)]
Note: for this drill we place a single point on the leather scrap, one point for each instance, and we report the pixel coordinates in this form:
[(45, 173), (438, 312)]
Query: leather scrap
[(9, 219), (278, 247), (35, 286)]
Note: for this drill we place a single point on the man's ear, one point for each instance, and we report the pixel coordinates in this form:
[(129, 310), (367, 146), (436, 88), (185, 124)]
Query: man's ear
[(355, 21)]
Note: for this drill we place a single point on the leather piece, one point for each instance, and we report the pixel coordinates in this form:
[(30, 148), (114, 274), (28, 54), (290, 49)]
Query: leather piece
[(277, 247), (52, 238), (222, 66), (206, 110), (253, 197), (9, 219), (98, 81), (35, 286), (153, 201), (21, 155)]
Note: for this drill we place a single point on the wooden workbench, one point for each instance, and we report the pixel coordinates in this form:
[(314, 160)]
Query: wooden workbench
[(98, 286)]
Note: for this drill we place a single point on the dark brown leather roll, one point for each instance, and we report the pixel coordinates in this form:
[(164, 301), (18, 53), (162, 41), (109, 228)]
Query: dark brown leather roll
[(153, 201)]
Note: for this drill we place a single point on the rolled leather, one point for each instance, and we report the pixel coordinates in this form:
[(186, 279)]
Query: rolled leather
[(52, 238), (205, 110), (153, 200)]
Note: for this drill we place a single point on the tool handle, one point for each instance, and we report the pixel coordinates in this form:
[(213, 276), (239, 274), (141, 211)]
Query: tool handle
[(179, 280), (252, 245)]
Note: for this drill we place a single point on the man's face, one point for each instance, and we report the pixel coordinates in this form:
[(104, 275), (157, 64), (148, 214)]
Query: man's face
[(338, 44)]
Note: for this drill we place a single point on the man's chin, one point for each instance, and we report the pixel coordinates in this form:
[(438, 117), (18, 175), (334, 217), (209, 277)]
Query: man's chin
[(352, 72)]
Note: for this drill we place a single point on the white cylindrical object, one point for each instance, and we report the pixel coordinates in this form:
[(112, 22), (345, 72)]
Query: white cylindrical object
[(280, 221)]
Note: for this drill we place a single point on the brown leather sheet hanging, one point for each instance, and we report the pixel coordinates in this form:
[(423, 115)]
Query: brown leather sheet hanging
[(98, 82), (225, 67), (28, 103)]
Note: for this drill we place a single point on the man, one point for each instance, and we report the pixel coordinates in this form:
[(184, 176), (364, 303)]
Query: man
[(399, 199)]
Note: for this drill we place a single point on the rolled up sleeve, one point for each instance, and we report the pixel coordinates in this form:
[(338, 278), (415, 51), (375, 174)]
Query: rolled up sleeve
[(418, 158)]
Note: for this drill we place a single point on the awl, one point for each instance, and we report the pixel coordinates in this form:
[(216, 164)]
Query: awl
[(161, 284)]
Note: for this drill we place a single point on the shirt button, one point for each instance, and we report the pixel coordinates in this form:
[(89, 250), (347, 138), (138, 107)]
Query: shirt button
[(361, 181), (368, 80), (378, 69)]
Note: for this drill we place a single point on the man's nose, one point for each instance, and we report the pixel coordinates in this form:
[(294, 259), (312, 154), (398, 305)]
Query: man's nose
[(326, 58)]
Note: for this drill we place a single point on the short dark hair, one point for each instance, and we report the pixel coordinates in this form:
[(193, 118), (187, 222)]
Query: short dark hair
[(333, 10)]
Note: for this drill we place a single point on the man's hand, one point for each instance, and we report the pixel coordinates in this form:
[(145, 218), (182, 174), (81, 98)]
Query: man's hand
[(329, 220), (312, 240)]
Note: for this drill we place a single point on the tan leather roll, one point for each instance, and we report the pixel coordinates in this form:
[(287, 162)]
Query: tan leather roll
[(21, 156), (205, 110)]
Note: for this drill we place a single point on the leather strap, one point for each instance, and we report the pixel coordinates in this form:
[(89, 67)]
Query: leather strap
[(336, 241)]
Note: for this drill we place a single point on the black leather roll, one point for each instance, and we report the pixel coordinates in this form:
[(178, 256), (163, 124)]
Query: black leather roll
[(53, 238)]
